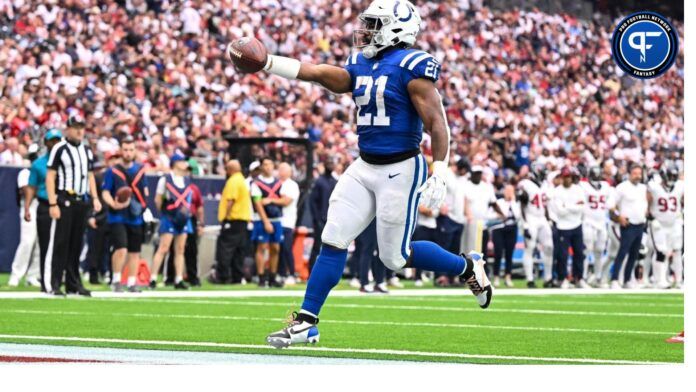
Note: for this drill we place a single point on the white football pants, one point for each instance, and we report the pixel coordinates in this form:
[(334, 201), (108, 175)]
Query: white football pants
[(387, 192), (26, 259)]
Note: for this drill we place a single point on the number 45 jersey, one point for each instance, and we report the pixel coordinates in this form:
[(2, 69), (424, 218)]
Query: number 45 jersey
[(666, 203), (387, 121)]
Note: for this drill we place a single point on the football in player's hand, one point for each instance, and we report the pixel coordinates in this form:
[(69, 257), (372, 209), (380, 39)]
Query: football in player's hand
[(123, 194), (248, 54)]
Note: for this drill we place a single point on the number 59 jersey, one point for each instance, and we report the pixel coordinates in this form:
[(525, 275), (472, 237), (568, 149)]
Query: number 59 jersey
[(666, 204), (387, 121)]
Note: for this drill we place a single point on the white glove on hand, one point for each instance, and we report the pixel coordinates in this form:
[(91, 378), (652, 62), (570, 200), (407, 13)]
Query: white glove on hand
[(434, 190)]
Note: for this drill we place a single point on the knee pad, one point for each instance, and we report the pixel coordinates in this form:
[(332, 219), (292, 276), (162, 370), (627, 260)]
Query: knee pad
[(333, 235), (660, 257)]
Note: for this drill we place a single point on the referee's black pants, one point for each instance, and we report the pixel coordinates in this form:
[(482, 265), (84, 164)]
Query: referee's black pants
[(65, 244), (43, 225)]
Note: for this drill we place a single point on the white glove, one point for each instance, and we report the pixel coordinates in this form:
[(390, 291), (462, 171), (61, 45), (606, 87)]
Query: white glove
[(434, 190), (147, 216)]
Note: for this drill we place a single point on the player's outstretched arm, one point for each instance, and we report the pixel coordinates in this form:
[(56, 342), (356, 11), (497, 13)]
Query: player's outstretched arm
[(335, 79), (428, 104)]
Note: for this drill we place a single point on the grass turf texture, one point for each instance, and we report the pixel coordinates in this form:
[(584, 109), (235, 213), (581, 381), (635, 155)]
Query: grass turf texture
[(603, 327)]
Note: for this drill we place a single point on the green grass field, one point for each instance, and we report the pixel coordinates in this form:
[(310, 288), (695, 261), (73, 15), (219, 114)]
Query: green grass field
[(516, 329)]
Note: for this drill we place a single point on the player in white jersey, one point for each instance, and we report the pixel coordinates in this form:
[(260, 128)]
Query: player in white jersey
[(665, 201), (601, 273), (595, 216), (535, 225)]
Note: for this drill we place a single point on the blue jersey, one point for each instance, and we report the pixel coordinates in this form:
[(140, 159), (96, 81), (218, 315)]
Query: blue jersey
[(388, 123)]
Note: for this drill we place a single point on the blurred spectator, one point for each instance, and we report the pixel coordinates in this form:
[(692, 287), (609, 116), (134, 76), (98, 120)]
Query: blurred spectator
[(192, 240), (319, 205), (37, 189), (268, 232), (629, 207), (569, 202), (368, 260), (26, 258), (289, 195), (174, 201), (504, 235)]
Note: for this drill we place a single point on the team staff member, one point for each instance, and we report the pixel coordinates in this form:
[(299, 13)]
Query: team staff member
[(69, 181), (268, 233), (125, 219), (191, 248), (26, 258), (173, 200), (569, 201), (289, 194), (234, 213), (629, 207), (37, 188)]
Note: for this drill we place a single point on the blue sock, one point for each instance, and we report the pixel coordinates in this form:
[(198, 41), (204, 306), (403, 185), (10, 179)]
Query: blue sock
[(325, 275), (430, 256)]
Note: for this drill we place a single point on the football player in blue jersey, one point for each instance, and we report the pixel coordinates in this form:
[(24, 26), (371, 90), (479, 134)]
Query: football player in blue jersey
[(393, 87)]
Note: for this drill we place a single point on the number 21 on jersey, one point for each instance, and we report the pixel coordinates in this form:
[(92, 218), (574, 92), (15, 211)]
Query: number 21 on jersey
[(380, 118)]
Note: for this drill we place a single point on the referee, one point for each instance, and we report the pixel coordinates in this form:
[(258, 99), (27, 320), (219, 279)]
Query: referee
[(68, 180)]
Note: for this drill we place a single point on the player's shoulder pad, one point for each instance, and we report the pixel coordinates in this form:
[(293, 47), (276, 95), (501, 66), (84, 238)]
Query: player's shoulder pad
[(419, 63)]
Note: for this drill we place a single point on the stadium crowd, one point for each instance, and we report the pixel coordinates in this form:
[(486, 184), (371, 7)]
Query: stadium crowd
[(520, 87)]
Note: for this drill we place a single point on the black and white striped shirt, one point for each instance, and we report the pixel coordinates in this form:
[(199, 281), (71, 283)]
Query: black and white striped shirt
[(72, 164)]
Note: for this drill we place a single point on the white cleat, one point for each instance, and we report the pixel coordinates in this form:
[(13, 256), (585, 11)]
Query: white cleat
[(297, 332), (582, 284), (354, 283), (396, 282), (565, 284), (418, 283), (615, 285), (478, 283)]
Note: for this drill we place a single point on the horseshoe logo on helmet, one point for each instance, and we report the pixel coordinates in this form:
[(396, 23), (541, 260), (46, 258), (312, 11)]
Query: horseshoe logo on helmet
[(396, 12)]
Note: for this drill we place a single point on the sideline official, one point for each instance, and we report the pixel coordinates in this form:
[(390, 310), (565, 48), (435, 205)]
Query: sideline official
[(69, 181)]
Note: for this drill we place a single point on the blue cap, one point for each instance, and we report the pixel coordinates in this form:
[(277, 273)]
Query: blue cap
[(176, 158), (53, 133)]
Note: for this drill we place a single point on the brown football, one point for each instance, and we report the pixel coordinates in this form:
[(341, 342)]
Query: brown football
[(248, 54), (123, 194)]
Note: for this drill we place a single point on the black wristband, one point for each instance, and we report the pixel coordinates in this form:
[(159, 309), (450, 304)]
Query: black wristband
[(53, 205)]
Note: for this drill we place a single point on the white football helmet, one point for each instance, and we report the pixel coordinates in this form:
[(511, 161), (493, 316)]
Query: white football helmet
[(387, 23)]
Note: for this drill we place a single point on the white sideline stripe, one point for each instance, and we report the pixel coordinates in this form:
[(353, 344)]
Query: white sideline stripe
[(414, 307), (542, 302), (354, 322), (176, 357), (409, 56), (334, 350), (351, 293)]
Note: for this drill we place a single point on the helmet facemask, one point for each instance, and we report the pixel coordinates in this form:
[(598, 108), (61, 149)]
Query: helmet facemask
[(370, 38)]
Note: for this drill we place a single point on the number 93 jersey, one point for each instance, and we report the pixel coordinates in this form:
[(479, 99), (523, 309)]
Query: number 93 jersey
[(387, 121), (666, 203)]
